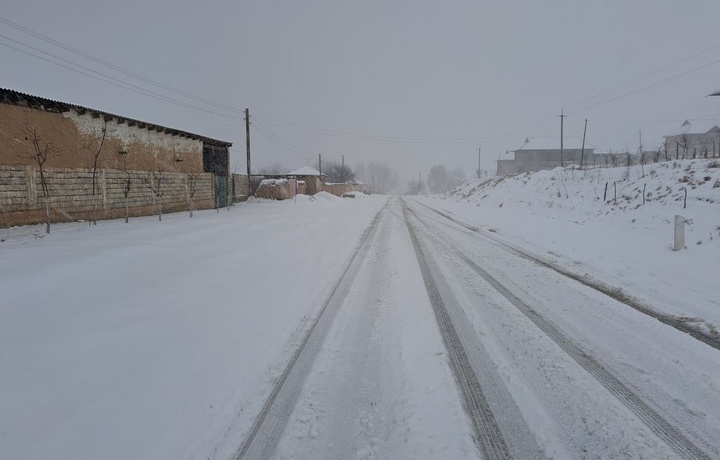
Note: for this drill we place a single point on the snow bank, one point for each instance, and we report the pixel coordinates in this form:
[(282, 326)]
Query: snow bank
[(354, 195), (566, 216), (325, 196)]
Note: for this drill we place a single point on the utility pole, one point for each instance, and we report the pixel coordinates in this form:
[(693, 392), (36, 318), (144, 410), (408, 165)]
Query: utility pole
[(479, 171), (562, 119), (320, 164), (342, 170), (247, 145), (582, 152), (640, 145), (419, 182)]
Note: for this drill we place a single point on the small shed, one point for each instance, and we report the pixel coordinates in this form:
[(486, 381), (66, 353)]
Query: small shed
[(312, 177)]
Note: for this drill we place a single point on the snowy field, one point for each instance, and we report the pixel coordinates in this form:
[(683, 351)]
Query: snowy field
[(560, 217)]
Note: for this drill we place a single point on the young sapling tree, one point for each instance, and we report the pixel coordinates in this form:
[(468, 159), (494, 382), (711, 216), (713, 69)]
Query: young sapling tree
[(95, 165), (154, 182), (41, 152)]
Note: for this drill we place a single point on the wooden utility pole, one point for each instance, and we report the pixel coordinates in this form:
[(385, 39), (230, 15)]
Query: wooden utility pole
[(562, 137), (320, 164), (342, 170), (479, 171), (582, 152), (640, 145), (247, 146)]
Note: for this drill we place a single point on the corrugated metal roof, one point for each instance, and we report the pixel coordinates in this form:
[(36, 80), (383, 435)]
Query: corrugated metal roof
[(9, 96)]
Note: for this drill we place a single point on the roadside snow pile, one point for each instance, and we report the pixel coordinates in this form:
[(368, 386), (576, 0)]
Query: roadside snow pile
[(354, 195), (565, 218), (325, 196)]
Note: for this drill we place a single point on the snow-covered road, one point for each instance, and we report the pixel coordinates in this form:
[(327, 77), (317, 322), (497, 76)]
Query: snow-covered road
[(367, 328)]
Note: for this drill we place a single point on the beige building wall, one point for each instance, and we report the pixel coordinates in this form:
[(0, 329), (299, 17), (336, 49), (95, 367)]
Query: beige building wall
[(75, 138)]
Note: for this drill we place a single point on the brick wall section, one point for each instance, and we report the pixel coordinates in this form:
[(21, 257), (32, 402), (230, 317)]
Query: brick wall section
[(14, 193), (21, 198), (240, 187)]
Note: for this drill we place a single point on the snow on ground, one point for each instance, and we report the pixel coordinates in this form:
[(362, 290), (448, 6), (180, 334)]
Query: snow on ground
[(381, 386), (560, 215), (567, 409), (160, 339)]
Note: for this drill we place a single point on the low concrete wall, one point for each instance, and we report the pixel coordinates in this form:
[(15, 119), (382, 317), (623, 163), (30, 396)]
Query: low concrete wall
[(22, 202), (339, 189)]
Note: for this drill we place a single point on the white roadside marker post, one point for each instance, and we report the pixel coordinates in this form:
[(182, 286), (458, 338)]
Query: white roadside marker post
[(679, 233)]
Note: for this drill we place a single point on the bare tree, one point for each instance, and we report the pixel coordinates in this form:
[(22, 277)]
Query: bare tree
[(155, 183), (685, 144), (41, 152), (379, 177), (438, 179), (456, 176), (275, 169), (191, 184), (336, 172), (127, 186), (657, 153), (95, 165)]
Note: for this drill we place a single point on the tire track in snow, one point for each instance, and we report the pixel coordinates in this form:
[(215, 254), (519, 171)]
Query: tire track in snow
[(683, 446), (488, 437), (610, 291), (263, 437)]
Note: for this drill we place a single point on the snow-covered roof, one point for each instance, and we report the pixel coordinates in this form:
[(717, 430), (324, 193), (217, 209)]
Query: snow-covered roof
[(696, 127), (305, 171), (553, 143), (716, 93)]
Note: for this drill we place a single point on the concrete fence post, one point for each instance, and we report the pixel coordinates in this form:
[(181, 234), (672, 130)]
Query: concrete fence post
[(679, 233)]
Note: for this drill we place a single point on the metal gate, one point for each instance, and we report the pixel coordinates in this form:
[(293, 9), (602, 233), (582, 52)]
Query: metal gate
[(221, 191)]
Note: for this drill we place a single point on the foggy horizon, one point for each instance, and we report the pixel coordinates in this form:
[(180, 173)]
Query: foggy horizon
[(409, 86)]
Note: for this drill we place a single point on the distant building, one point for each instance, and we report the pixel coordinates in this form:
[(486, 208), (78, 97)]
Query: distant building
[(313, 179), (694, 138), (544, 154)]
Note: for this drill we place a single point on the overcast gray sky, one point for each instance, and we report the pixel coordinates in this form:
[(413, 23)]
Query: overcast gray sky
[(410, 83)]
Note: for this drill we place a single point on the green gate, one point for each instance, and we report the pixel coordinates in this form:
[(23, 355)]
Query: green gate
[(221, 191)]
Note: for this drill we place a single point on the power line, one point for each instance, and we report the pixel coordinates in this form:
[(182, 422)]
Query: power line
[(116, 67), (364, 136), (104, 77), (280, 143), (271, 133), (645, 76), (652, 85)]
